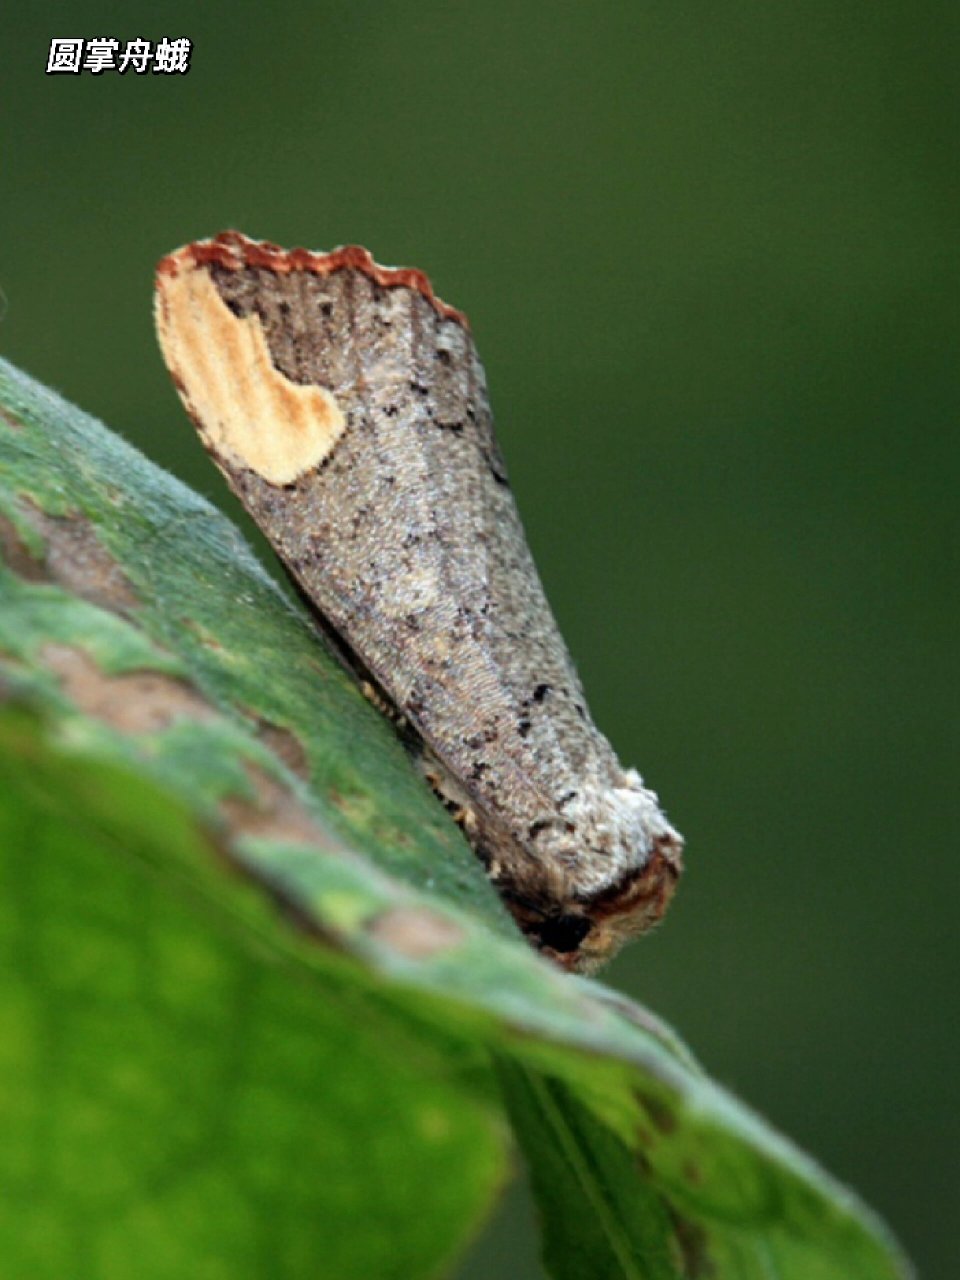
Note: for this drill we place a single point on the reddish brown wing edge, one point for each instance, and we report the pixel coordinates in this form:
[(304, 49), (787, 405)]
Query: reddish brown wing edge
[(233, 250)]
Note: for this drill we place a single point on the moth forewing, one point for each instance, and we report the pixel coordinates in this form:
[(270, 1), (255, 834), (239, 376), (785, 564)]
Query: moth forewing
[(347, 408)]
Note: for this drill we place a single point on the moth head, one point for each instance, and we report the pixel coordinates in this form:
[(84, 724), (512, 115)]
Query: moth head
[(583, 942), (610, 869)]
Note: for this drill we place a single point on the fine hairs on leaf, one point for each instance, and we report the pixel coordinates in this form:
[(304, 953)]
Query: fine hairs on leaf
[(263, 1014)]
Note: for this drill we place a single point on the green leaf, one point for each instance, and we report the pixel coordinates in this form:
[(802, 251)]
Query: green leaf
[(265, 1016), (179, 1093), (602, 1217)]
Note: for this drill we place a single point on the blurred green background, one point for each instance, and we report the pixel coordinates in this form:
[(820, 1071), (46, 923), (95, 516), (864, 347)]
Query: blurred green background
[(709, 257)]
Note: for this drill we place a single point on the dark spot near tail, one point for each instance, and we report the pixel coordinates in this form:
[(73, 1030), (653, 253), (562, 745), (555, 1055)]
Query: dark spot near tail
[(563, 933)]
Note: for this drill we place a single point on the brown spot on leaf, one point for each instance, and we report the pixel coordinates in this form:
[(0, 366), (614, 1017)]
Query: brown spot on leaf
[(274, 813), (133, 702), (285, 745), (142, 702), (17, 556), (76, 560), (691, 1245), (206, 638), (416, 932), (659, 1111)]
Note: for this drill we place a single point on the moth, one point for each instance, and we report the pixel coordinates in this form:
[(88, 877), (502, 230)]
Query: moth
[(347, 408)]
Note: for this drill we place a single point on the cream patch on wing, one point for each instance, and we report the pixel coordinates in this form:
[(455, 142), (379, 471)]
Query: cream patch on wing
[(247, 411)]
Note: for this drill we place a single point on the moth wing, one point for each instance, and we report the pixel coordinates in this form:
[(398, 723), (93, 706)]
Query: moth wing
[(352, 420)]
